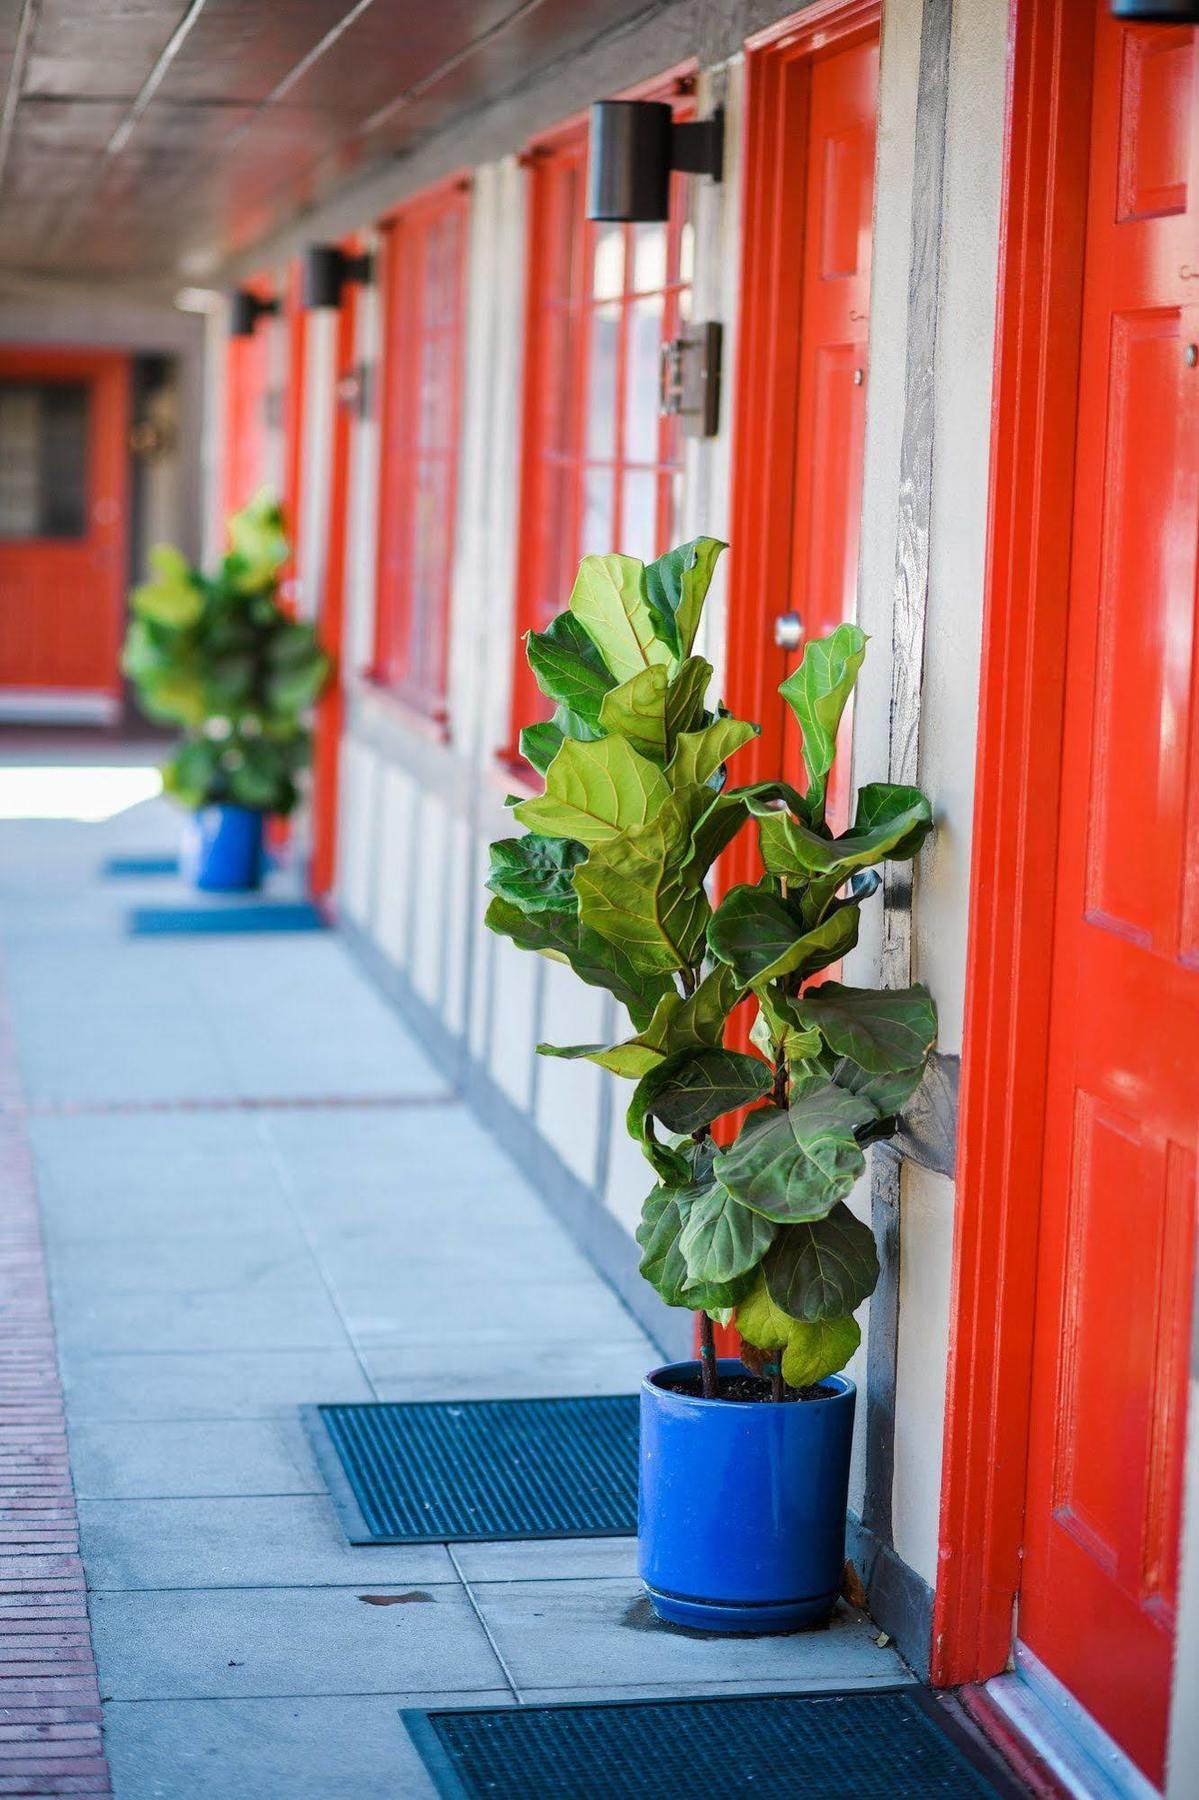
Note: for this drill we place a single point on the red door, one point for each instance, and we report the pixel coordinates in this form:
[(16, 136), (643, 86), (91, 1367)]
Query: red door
[(802, 408), (1116, 1246), (64, 421)]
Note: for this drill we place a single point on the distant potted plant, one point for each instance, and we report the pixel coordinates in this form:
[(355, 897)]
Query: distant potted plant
[(744, 1464), (218, 655)]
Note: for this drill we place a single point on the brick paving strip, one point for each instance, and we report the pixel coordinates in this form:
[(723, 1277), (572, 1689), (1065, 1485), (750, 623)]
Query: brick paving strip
[(50, 1734)]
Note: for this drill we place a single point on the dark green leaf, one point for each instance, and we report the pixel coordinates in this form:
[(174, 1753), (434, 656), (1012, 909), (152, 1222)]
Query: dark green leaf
[(534, 872), (721, 1239), (760, 937), (824, 1268), (795, 1164), (693, 1087), (539, 744), (568, 667), (879, 1029), (676, 586)]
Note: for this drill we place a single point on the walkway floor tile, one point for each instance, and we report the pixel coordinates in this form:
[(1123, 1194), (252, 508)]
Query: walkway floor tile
[(234, 1643)]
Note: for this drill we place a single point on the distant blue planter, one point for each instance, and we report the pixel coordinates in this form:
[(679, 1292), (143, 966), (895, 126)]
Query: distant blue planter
[(222, 849), (742, 1505)]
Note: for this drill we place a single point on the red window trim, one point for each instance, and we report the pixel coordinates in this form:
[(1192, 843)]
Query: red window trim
[(391, 667), (551, 150)]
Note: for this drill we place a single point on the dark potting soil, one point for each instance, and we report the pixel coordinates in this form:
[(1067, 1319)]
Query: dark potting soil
[(740, 1387)]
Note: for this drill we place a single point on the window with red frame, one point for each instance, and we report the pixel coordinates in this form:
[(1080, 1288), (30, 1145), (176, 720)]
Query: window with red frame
[(424, 265), (602, 468)]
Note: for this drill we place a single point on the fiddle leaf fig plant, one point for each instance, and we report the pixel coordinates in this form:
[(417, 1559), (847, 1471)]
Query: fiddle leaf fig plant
[(218, 655), (611, 876)]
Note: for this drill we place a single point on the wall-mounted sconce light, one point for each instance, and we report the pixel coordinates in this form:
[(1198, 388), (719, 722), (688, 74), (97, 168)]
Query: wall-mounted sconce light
[(324, 272), (635, 144), (1157, 12), (245, 310)]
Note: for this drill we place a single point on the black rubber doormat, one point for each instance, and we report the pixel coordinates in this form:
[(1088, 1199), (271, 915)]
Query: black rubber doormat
[(225, 920), (121, 866), (896, 1745), (455, 1471)]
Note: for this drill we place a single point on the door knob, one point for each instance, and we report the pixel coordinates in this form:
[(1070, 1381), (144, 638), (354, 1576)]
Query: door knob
[(788, 630)]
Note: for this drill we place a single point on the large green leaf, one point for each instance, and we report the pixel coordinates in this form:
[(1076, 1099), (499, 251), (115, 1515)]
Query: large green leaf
[(790, 848), (691, 1088), (810, 1350), (887, 1091), (699, 754), (824, 1268), (663, 1264), (560, 935), (879, 1029), (817, 693), (639, 889), (685, 698), (595, 791), (569, 668), (880, 803), (676, 587), (653, 709), (636, 710), (174, 596), (721, 1239), (694, 1023), (760, 937), (795, 1163), (534, 872), (609, 601)]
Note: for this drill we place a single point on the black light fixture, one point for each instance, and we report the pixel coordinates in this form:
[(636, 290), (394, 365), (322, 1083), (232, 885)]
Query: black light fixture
[(324, 272), (1157, 12), (635, 144), (245, 310)]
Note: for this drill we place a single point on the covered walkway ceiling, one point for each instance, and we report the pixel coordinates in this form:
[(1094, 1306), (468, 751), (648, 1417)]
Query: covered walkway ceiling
[(146, 139)]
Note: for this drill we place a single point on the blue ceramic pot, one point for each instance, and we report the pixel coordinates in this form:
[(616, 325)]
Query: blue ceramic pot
[(222, 849), (742, 1504)]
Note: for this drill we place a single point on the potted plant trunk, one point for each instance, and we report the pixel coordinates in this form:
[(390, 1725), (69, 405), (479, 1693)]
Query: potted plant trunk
[(755, 1150), (219, 656)]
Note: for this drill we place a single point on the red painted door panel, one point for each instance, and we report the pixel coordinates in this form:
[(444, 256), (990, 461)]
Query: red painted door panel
[(247, 378), (63, 520), (813, 108), (831, 413), (1122, 1124)]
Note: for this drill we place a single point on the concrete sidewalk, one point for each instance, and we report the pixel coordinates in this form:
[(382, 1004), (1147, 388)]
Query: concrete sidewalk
[(257, 1193)]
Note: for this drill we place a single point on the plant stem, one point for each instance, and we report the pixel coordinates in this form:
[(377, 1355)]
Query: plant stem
[(707, 1356)]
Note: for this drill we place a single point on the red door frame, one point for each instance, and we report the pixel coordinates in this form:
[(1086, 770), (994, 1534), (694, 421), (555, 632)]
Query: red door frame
[(107, 476), (1000, 1142), (330, 710), (768, 358)]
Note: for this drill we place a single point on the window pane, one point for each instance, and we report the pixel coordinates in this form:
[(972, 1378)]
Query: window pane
[(641, 380), (639, 523), (601, 389), (607, 269), (649, 257), (597, 523), (43, 459)]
